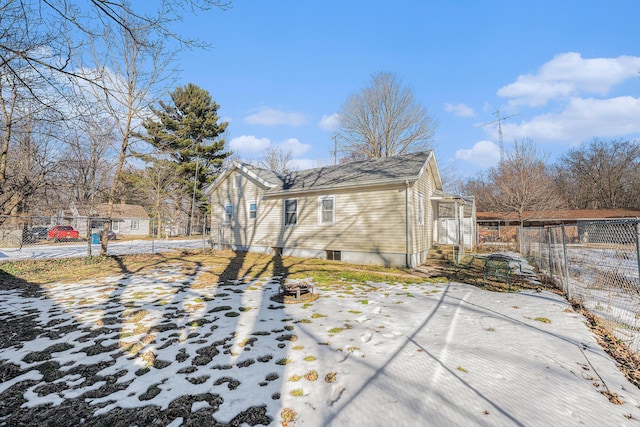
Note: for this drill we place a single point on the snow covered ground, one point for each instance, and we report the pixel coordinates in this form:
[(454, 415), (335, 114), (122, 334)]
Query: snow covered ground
[(126, 247), (124, 348), (605, 281)]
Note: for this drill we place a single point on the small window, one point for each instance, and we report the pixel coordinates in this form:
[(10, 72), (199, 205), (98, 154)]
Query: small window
[(334, 255), (290, 211), (237, 181), (253, 210), (228, 214), (115, 226), (326, 210), (420, 209), (135, 224)]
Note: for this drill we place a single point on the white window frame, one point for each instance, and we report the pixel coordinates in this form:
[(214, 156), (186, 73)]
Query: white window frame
[(321, 220), (226, 216), (255, 211), (284, 211), (237, 181), (420, 209), (135, 224)]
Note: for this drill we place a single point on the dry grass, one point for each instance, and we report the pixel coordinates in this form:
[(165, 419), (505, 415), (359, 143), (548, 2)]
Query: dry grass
[(221, 266), (628, 361)]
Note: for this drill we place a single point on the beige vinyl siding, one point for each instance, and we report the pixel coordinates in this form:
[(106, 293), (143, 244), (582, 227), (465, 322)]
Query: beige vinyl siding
[(422, 235), (241, 231), (367, 220)]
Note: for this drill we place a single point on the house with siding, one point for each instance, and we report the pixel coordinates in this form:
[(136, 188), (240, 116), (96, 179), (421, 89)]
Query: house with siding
[(126, 220), (380, 211)]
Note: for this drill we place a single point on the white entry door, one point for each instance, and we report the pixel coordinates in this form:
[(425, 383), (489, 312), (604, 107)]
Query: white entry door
[(448, 231)]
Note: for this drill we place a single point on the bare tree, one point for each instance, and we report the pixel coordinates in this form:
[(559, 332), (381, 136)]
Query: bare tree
[(601, 175), (27, 130), (382, 120), (50, 35), (87, 164), (161, 187), (138, 72), (522, 183), (277, 159)]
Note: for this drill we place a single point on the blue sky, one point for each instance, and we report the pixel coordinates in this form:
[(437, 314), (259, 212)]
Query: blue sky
[(566, 71)]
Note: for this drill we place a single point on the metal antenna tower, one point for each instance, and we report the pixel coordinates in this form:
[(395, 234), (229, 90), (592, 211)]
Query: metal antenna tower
[(499, 122)]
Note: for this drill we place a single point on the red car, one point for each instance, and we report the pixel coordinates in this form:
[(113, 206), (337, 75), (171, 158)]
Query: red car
[(62, 232)]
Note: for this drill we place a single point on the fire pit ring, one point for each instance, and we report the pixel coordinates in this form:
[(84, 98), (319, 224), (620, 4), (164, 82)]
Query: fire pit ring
[(296, 288)]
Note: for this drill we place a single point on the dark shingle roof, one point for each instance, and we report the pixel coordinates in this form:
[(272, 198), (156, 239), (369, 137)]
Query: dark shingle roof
[(388, 170), (365, 172)]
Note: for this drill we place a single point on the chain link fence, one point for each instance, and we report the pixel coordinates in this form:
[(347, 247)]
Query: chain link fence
[(31, 237), (596, 263)]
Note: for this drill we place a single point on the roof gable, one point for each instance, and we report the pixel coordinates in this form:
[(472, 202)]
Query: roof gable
[(264, 177)]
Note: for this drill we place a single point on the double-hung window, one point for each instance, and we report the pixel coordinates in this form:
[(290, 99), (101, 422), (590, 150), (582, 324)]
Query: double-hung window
[(327, 210), (237, 181), (228, 214), (253, 210), (290, 211)]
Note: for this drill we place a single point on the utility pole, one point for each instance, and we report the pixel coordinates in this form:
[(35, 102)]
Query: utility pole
[(193, 197), (499, 121)]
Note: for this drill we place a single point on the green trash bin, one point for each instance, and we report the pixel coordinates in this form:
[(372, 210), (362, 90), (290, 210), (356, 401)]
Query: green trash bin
[(95, 238)]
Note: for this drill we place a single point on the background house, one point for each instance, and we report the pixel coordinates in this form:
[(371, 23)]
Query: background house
[(381, 211), (126, 220), (501, 226)]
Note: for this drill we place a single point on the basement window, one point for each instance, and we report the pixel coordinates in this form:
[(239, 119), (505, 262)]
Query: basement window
[(334, 255)]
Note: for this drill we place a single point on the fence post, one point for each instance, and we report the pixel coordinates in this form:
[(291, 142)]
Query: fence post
[(89, 236), (520, 245), (638, 251), (204, 231), (154, 226), (549, 249), (540, 242), (566, 265)]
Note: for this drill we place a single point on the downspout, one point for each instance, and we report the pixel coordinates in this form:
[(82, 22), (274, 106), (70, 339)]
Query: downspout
[(407, 224)]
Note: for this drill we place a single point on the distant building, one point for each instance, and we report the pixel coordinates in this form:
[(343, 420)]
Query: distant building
[(126, 220)]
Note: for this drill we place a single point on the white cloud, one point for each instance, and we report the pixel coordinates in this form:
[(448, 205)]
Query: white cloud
[(568, 74), (581, 120), (296, 147), (460, 110), (302, 164), (483, 153), (249, 146), (329, 123), (271, 117)]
